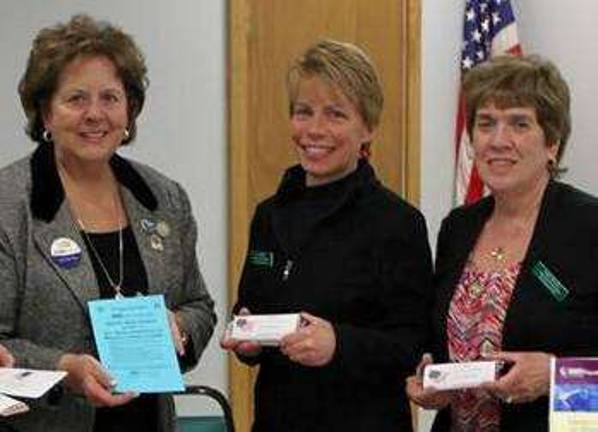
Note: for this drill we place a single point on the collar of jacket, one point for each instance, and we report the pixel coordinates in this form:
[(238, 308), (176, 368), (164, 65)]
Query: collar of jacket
[(293, 181), (47, 193), (479, 212), (484, 207)]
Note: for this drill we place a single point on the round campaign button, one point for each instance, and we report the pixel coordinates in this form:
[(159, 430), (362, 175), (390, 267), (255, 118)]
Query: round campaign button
[(65, 252)]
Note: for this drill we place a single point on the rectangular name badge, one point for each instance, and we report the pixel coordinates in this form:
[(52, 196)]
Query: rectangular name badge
[(266, 330), (261, 258), (550, 281), (452, 376), (135, 344)]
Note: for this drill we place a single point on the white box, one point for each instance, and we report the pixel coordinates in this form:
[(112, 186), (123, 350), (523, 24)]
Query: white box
[(266, 330), (452, 376)]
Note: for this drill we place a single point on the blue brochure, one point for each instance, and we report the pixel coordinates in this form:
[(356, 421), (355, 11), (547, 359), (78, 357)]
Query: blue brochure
[(135, 344)]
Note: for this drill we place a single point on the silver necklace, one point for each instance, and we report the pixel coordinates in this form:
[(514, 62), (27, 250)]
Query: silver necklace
[(117, 287)]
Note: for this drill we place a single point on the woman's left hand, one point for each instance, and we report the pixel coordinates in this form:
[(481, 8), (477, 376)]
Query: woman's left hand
[(313, 344), (6, 358), (527, 379), (179, 337)]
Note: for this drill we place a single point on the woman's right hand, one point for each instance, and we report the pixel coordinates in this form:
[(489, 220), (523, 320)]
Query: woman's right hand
[(86, 376), (243, 348), (426, 398)]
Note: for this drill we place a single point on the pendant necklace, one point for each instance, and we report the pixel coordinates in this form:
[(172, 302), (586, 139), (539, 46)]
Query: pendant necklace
[(499, 254), (117, 287), (476, 289)]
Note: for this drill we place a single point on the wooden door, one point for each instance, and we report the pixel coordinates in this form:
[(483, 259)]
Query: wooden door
[(264, 37)]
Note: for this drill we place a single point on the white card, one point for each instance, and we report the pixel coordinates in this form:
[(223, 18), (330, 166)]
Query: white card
[(10, 406), (264, 329), (28, 383), (452, 376)]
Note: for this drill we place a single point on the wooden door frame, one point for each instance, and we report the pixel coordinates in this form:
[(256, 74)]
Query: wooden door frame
[(239, 213)]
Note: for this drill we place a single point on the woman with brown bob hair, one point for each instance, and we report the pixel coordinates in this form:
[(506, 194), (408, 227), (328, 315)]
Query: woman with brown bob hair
[(345, 252), (514, 279), (80, 223)]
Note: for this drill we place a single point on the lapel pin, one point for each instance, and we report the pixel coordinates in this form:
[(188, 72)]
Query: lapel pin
[(148, 225), (163, 229), (156, 243), (65, 252)]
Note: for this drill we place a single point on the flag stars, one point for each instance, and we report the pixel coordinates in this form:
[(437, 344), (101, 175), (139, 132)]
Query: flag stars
[(496, 18), (486, 25), (467, 63), (476, 36), (480, 55), (470, 14)]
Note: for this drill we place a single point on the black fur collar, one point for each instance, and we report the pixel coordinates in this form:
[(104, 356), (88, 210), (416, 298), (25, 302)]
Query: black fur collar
[(47, 192)]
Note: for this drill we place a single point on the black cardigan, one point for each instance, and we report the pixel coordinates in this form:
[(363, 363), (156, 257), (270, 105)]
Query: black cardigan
[(565, 240)]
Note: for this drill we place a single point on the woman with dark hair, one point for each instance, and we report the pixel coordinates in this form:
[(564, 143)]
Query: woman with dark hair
[(514, 272), (78, 222)]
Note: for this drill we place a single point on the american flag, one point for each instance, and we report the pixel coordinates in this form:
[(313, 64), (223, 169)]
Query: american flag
[(489, 29)]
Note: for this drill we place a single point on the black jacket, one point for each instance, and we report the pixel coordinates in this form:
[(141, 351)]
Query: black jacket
[(565, 240), (364, 266)]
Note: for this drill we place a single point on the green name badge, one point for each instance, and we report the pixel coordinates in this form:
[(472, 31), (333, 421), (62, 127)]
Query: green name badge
[(261, 258), (550, 281)]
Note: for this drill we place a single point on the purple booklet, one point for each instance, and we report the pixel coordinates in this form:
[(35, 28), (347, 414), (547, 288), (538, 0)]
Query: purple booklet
[(574, 394)]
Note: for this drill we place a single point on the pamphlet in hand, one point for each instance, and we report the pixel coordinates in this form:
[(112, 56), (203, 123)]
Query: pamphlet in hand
[(574, 394), (135, 344)]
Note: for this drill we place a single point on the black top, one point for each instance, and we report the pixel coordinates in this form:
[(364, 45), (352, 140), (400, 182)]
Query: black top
[(106, 246), (141, 413)]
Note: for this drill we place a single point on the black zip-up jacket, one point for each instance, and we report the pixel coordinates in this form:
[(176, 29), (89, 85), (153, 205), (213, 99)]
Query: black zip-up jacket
[(364, 265)]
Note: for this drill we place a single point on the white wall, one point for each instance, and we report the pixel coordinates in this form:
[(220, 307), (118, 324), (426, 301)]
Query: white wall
[(440, 45), (182, 128), (566, 33)]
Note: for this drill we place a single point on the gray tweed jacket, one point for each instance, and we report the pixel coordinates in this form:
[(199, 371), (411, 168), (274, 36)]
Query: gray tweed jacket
[(43, 306)]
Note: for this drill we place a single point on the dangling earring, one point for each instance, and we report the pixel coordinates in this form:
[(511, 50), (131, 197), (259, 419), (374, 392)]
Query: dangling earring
[(126, 134), (47, 136)]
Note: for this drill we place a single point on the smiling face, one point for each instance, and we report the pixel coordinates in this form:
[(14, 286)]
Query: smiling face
[(511, 151), (87, 115), (327, 130)]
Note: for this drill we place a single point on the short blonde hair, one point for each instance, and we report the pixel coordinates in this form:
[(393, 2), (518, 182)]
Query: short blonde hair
[(345, 66), (522, 81)]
